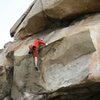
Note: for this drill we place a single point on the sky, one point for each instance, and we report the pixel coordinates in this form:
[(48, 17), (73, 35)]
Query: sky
[(10, 12)]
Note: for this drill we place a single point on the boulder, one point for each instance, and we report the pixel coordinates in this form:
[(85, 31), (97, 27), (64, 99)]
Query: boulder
[(43, 13), (18, 22), (95, 61), (64, 64), (6, 70)]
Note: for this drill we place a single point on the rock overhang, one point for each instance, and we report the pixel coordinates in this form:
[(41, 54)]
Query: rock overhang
[(38, 16)]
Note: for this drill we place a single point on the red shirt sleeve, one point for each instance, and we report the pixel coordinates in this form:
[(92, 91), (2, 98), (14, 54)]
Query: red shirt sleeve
[(42, 42)]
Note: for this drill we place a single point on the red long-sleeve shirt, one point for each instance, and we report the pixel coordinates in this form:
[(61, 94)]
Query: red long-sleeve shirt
[(37, 43)]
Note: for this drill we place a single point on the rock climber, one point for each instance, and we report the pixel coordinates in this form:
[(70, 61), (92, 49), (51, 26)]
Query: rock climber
[(34, 50)]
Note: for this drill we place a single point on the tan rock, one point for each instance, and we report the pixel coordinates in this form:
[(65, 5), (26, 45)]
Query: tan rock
[(95, 62), (38, 18), (70, 59), (64, 62), (69, 8)]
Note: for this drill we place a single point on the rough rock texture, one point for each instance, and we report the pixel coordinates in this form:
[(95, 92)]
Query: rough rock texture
[(41, 15), (69, 64), (17, 24), (66, 64), (6, 75), (95, 62)]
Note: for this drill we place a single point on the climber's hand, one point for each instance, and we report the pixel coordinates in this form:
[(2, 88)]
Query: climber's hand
[(46, 44)]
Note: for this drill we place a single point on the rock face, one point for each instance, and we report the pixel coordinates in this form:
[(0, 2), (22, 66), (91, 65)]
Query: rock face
[(69, 64), (42, 13)]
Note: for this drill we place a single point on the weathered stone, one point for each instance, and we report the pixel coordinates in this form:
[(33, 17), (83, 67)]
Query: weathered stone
[(69, 66), (43, 11), (95, 62), (37, 22), (6, 71), (60, 9), (64, 63), (16, 25), (70, 63)]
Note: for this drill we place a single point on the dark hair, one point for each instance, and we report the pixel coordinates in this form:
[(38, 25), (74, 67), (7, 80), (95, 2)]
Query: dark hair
[(38, 38)]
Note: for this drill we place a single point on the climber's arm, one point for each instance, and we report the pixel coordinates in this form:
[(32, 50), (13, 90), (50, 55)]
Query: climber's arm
[(42, 42)]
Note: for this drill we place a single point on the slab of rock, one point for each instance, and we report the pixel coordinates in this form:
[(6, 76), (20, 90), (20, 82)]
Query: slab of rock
[(39, 16), (64, 63), (70, 60), (95, 62)]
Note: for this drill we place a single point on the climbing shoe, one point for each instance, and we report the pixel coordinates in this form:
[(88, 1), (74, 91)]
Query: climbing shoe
[(36, 68)]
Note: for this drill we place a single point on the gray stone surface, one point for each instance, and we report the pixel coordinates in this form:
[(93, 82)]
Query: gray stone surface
[(69, 64), (40, 15)]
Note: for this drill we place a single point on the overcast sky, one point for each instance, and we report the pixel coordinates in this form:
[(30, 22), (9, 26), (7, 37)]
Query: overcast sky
[(10, 11)]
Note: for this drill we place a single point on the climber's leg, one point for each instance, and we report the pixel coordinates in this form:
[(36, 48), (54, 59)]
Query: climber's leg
[(36, 59), (36, 63)]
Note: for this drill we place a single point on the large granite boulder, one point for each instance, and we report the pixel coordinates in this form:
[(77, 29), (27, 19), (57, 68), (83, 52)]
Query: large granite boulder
[(69, 65), (65, 69), (95, 62), (42, 13), (6, 69)]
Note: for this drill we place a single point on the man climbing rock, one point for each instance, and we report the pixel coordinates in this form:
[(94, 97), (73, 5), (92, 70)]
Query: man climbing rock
[(34, 50)]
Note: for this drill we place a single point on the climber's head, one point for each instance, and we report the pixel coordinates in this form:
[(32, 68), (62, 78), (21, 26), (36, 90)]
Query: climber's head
[(38, 38)]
